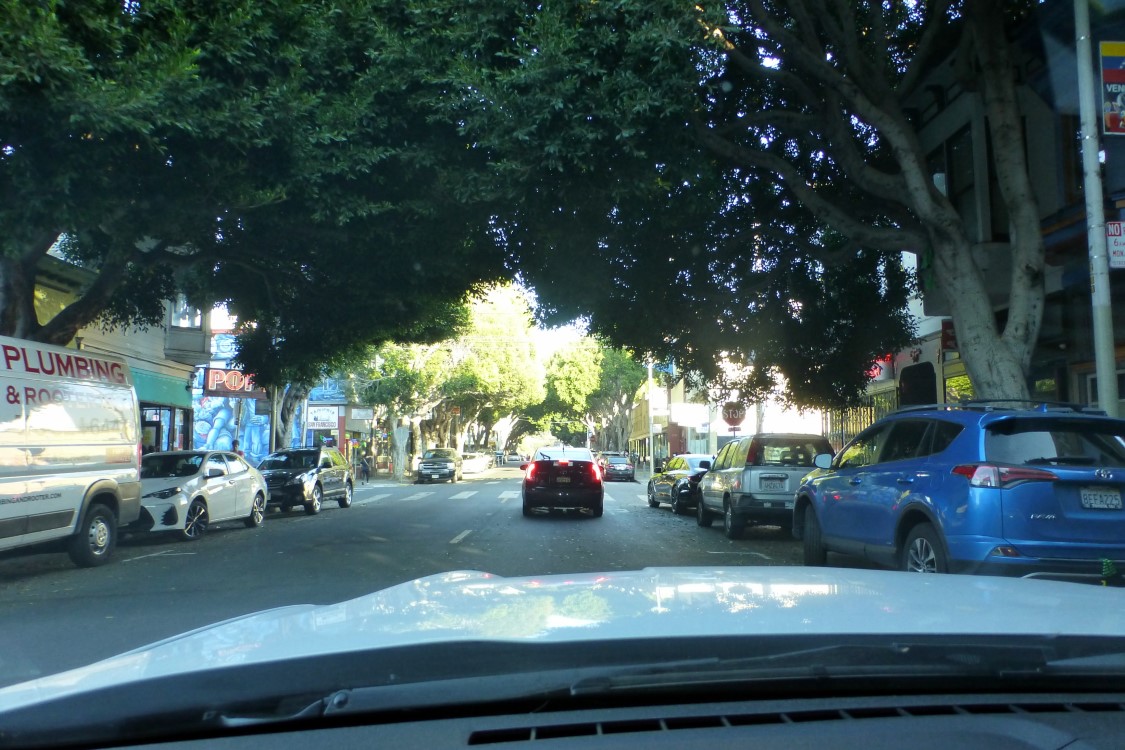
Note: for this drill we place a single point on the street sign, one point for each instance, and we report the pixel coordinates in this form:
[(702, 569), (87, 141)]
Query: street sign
[(1115, 243), (733, 413)]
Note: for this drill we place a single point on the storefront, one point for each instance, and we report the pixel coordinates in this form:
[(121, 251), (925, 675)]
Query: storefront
[(166, 413)]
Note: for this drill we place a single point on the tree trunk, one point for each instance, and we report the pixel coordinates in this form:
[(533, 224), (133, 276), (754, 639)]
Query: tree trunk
[(293, 397), (400, 434), (995, 368), (17, 299)]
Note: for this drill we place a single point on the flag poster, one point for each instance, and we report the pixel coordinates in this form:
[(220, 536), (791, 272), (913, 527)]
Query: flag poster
[(1113, 87)]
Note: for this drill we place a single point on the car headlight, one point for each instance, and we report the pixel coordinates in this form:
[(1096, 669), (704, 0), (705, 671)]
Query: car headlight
[(165, 494)]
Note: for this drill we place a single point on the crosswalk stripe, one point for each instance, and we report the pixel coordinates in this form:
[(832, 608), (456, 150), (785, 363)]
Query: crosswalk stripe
[(463, 495), (415, 496)]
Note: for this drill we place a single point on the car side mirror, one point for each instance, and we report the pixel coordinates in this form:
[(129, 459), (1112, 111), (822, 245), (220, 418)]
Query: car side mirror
[(823, 461), (705, 465), (212, 473)]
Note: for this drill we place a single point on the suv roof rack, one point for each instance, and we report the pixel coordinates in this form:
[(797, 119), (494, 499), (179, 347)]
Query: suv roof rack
[(993, 404)]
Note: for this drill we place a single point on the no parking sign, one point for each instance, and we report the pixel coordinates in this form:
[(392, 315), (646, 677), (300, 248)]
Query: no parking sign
[(1115, 243)]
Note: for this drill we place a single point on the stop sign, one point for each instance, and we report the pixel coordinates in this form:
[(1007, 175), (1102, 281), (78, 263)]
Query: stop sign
[(734, 413)]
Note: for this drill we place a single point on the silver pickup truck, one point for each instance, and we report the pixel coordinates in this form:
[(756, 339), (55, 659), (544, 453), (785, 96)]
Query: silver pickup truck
[(753, 479)]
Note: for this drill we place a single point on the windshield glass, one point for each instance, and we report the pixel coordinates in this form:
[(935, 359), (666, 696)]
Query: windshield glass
[(293, 460), (458, 298), (164, 466)]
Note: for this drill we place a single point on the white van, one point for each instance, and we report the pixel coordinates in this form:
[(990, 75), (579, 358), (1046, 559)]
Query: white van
[(70, 449)]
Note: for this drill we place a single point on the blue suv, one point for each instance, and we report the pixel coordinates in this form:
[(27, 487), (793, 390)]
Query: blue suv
[(979, 487)]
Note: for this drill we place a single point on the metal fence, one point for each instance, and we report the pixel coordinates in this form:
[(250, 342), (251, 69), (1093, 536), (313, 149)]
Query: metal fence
[(841, 425)]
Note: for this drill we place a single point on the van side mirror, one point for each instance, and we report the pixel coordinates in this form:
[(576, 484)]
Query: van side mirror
[(823, 461)]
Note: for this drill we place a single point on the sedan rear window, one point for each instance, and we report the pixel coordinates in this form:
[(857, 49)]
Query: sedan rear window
[(1060, 442)]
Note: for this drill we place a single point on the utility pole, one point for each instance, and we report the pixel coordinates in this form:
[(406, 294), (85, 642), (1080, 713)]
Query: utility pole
[(1105, 360)]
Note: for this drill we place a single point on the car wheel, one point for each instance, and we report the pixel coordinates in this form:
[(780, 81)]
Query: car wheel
[(652, 501), (702, 515), (679, 507), (526, 508), (814, 551), (195, 521), (96, 537), (733, 524), (923, 552), (312, 507), (257, 512), (346, 500), (598, 510)]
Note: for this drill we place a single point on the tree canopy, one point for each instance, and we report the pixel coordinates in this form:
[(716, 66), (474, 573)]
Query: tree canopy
[(273, 155), (742, 177)]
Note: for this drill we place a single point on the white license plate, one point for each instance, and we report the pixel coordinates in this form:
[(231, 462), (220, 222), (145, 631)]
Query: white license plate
[(434, 476), (562, 480), (777, 485), (1101, 498)]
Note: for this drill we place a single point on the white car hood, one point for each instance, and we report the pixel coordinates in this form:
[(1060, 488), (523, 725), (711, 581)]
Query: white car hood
[(655, 602)]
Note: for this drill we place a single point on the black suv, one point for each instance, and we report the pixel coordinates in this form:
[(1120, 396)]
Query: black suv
[(307, 476)]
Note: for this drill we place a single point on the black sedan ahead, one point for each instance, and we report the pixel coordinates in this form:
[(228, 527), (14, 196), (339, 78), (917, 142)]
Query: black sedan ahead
[(562, 477), (678, 483)]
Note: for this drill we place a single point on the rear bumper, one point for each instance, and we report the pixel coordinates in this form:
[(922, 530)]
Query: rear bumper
[(549, 497), (771, 511), (985, 556), (625, 476)]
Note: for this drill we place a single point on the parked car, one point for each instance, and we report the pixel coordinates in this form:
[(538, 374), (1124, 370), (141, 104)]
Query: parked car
[(619, 467), (981, 488), (475, 463), (562, 477), (604, 456), (308, 477), (187, 491), (440, 465), (752, 480), (678, 484)]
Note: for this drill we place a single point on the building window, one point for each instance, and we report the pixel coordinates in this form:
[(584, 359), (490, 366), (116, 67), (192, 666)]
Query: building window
[(184, 315)]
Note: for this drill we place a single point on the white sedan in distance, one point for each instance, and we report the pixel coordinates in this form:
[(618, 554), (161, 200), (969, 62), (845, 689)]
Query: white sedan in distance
[(186, 491)]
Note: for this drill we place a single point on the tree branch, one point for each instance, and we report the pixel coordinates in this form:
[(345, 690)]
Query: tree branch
[(842, 219)]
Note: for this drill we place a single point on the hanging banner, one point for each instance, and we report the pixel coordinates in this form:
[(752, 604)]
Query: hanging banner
[(1113, 87)]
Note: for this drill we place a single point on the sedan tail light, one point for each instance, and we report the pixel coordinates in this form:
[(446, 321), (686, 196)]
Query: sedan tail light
[(595, 472), (531, 471), (995, 475)]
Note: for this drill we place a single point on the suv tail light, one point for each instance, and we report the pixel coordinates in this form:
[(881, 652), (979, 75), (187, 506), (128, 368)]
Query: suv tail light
[(995, 475)]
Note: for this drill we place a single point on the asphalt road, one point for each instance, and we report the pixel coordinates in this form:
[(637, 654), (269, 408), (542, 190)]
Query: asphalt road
[(55, 616)]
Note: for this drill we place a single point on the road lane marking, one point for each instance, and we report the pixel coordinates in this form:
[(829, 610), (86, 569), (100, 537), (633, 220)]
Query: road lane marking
[(165, 553), (372, 499), (735, 552), (457, 539), (415, 496), (463, 495)]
